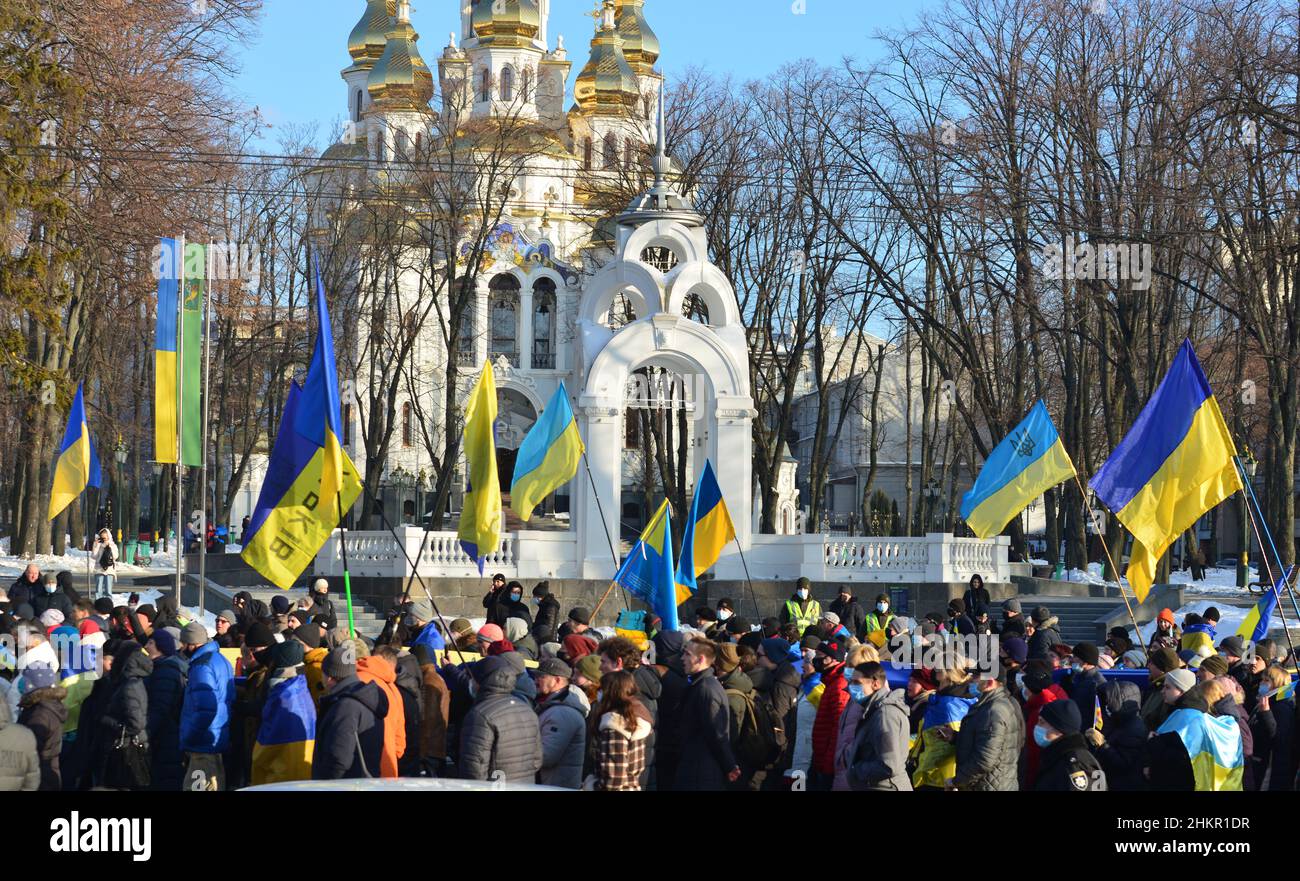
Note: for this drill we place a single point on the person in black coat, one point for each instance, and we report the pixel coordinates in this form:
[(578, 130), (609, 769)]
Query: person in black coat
[(958, 621), (494, 601), (43, 711), (1045, 633), (165, 689), (1065, 764), (1272, 727), (25, 586), (127, 715), (68, 587), (322, 608), (78, 762), (776, 678), (409, 685), (51, 596), (1120, 745), (350, 726), (512, 601), (851, 614), (1086, 681), (707, 762), (669, 646), (546, 624), (977, 594), (1168, 767)]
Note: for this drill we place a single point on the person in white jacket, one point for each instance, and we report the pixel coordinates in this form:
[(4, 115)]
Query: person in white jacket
[(104, 574)]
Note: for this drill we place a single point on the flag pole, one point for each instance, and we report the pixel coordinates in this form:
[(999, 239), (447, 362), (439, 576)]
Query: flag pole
[(347, 576), (1249, 492), (1096, 525), (179, 270), (608, 537), (203, 467), (749, 581), (1272, 579), (85, 501)]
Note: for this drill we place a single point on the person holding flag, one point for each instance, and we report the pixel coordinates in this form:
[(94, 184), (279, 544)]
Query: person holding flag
[(479, 530), (708, 530), (1175, 463)]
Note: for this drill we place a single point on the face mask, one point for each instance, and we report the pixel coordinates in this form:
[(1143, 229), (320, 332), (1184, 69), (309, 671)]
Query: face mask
[(803, 594), (882, 607), (857, 692), (1026, 693), (819, 664), (51, 588), (723, 614), (514, 597), (1040, 736), (537, 601), (1020, 679), (1076, 668)]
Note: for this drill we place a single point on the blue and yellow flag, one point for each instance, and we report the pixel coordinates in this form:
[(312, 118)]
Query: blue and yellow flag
[(73, 465), (289, 523), (1028, 462), (1214, 745), (647, 573), (1255, 625), (287, 736), (1175, 463), (166, 395), (708, 530), (480, 513), (548, 457), (318, 418)]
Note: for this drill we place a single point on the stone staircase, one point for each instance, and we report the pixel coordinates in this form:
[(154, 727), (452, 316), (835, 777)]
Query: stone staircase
[(1077, 614), (369, 623)]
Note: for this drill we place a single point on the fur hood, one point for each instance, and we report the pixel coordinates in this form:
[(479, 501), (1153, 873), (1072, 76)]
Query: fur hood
[(614, 722), (35, 696)]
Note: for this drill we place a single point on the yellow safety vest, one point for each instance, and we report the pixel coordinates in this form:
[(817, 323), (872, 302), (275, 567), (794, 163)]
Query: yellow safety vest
[(803, 620)]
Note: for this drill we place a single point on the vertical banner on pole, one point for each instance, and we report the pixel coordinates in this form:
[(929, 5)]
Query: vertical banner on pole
[(192, 354)]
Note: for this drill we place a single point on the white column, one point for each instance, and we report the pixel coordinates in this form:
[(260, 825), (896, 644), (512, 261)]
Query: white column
[(481, 328), (730, 449), (525, 331), (600, 419)]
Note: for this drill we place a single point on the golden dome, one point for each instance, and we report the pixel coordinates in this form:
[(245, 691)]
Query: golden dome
[(506, 22), (640, 45), (367, 40), (401, 78), (607, 82)]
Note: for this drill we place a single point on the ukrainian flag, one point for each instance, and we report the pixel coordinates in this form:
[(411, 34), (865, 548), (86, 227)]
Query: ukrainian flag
[(1027, 463), (708, 530), (318, 418), (75, 465), (548, 457), (1213, 744), (165, 393), (480, 513), (1255, 625), (647, 573), (289, 523), (1176, 463), (287, 737)]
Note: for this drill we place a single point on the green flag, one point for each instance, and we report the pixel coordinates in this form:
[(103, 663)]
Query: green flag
[(192, 359)]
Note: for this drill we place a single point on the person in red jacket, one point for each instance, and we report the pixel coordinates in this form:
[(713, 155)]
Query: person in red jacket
[(1038, 690), (829, 662)]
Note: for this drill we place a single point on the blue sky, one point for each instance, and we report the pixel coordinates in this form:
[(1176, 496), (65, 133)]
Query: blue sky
[(291, 68)]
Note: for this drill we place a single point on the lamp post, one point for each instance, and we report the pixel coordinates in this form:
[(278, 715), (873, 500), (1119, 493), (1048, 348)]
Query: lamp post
[(120, 455), (932, 491), (1249, 467), (155, 500)]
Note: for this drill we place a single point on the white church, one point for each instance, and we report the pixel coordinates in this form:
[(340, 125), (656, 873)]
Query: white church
[(565, 296)]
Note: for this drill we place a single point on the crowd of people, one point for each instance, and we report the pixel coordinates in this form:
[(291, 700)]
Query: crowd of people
[(138, 696)]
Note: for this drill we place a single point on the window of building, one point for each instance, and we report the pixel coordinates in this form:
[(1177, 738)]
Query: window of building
[(485, 85), (544, 324), (357, 103), (503, 317), (347, 425), (508, 84), (419, 143), (660, 257), (620, 312), (628, 147), (466, 337), (406, 424), (526, 85), (694, 308), (631, 429), (586, 154), (609, 157)]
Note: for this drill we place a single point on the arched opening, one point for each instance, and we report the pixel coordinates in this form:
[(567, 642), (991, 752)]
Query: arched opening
[(660, 257), (508, 84), (609, 157), (467, 332), (484, 85), (694, 308), (659, 437), (356, 106), (586, 154), (544, 303), (620, 314), (407, 439), (526, 85), (503, 318)]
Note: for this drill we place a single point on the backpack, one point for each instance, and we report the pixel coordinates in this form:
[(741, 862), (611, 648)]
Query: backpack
[(762, 739), (106, 557)]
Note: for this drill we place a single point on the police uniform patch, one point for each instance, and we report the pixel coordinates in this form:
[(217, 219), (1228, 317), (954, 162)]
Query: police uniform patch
[(1079, 780)]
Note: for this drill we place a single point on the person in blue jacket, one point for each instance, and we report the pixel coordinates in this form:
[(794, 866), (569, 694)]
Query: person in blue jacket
[(205, 712)]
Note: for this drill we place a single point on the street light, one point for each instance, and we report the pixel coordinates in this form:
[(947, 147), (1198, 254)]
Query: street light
[(120, 455), (932, 491), (1248, 466), (156, 500)]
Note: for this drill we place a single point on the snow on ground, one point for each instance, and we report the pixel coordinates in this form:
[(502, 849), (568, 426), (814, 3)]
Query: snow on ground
[(78, 563), (151, 597), (1229, 621)]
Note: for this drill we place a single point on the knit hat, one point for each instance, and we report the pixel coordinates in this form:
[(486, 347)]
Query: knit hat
[(516, 629), (308, 634), (1042, 614), (541, 589), (165, 640), (589, 666), (1011, 605), (727, 659), (340, 663), (51, 618), (924, 677), (1233, 646), (1038, 675), (229, 616), (1183, 680), (810, 642), (259, 636), (833, 649), (500, 647), (286, 654), (279, 605), (1166, 615), (1215, 665), (104, 605), (461, 627), (491, 633), (957, 605), (1164, 659), (1086, 652), (554, 667), (194, 634), (577, 646), (581, 614), (422, 609), (804, 583), (39, 676), (147, 611), (1063, 715), (831, 617), (1016, 648), (775, 649)]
